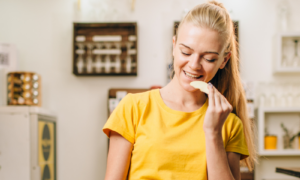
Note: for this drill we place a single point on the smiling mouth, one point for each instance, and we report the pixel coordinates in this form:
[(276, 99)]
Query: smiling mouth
[(192, 76)]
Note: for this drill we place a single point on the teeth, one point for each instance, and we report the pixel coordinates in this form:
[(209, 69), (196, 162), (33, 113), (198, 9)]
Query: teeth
[(191, 75)]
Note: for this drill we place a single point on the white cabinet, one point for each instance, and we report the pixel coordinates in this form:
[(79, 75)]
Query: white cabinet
[(27, 143)]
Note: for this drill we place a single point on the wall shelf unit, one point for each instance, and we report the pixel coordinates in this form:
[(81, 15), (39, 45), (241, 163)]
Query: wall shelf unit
[(105, 49), (271, 118), (288, 53)]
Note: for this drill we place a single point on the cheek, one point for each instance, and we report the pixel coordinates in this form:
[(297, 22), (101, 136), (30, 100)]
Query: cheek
[(179, 60), (210, 69)]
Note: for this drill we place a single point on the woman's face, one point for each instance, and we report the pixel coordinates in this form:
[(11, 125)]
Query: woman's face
[(198, 54)]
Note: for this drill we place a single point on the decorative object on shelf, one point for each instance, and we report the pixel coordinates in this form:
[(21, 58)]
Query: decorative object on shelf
[(288, 59), (23, 88), (105, 49), (283, 11), (298, 141), (278, 94), (270, 141), (250, 96), (296, 58), (288, 138), (132, 5), (297, 135)]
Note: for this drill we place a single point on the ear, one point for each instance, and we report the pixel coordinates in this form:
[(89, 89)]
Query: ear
[(225, 60), (174, 44)]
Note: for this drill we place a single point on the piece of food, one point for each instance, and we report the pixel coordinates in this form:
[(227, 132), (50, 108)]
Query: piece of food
[(200, 85)]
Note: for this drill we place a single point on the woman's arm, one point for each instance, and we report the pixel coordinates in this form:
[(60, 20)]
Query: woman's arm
[(119, 156), (220, 165), (234, 164)]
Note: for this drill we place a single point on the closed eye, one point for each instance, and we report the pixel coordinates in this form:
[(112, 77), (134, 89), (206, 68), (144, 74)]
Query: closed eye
[(186, 54), (210, 60)]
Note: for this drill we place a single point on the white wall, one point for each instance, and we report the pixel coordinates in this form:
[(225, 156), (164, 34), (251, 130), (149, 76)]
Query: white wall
[(42, 33)]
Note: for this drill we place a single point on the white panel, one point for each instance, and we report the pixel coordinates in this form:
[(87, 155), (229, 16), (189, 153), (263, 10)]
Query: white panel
[(132, 38), (131, 51), (107, 51), (80, 38), (107, 38), (14, 147), (34, 164)]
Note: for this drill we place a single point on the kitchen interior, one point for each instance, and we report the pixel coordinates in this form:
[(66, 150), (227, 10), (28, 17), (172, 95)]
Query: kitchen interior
[(65, 66)]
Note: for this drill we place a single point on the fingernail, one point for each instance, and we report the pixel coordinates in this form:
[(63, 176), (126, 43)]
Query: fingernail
[(210, 84)]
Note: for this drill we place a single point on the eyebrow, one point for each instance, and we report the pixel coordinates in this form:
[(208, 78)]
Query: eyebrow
[(210, 52)]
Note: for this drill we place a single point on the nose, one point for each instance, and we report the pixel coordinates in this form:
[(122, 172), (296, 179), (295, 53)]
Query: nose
[(195, 63)]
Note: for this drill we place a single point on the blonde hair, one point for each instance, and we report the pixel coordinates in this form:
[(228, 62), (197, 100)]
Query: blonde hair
[(214, 16)]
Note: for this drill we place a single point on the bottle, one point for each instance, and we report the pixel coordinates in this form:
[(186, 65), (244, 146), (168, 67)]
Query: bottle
[(118, 64), (98, 64), (80, 64), (89, 64)]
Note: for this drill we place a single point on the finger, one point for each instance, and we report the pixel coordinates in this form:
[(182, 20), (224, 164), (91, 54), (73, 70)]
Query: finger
[(229, 107), (224, 103), (211, 95), (218, 101)]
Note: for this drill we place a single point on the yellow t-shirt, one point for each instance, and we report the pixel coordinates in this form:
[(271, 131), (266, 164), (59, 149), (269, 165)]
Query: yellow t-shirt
[(168, 144)]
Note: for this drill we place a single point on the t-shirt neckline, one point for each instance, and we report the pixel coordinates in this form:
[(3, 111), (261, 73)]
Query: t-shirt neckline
[(160, 101)]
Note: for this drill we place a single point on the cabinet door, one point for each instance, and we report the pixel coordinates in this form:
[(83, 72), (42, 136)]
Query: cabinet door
[(47, 148), (14, 147)]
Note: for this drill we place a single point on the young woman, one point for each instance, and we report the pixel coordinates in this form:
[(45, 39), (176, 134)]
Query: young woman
[(178, 132)]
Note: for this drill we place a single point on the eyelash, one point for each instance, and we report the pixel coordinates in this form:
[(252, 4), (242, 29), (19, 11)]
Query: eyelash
[(209, 60)]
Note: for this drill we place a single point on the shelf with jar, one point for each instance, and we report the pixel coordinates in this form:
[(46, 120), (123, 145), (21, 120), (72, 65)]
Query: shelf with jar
[(288, 53), (278, 131), (278, 119), (105, 49)]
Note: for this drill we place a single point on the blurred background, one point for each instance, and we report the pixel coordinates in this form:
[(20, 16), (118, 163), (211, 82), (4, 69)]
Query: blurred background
[(86, 54)]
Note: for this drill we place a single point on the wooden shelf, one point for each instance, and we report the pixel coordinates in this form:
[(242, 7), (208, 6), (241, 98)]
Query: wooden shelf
[(292, 152), (279, 110)]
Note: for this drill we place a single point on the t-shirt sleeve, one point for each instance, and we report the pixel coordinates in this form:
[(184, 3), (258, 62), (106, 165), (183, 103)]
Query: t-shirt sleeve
[(122, 120), (237, 142)]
